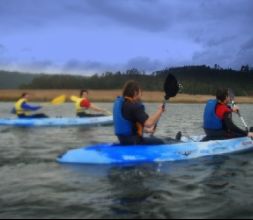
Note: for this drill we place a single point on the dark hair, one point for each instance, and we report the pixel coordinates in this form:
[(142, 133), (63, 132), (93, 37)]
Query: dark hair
[(221, 94), (83, 91), (24, 94), (131, 88)]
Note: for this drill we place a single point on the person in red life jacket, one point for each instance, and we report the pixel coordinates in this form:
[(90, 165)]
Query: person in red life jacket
[(218, 123), (23, 110), (131, 119), (84, 107)]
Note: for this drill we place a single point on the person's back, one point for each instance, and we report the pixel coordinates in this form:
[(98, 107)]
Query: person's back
[(131, 120)]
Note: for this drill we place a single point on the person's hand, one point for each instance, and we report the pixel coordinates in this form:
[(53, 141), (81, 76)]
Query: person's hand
[(150, 130), (250, 134), (161, 109), (236, 109)]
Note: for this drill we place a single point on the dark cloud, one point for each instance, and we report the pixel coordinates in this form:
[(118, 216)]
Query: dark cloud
[(218, 31), (82, 67), (40, 65), (34, 66), (219, 41), (245, 54), (142, 63), (248, 45), (244, 58), (142, 14), (212, 57), (149, 15), (145, 64)]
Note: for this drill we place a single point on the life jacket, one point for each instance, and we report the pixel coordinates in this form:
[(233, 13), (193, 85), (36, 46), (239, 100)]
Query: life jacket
[(18, 107), (211, 120), (221, 110), (122, 126), (79, 108)]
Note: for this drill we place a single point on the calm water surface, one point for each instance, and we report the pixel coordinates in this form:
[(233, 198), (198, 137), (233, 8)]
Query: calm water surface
[(33, 185)]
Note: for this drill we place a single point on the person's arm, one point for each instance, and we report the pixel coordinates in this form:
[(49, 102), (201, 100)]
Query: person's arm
[(231, 126), (27, 107), (96, 109), (137, 114), (88, 105), (152, 121)]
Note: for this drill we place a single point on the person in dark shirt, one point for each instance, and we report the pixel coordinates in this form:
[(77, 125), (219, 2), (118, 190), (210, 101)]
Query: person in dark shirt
[(218, 119), (132, 121)]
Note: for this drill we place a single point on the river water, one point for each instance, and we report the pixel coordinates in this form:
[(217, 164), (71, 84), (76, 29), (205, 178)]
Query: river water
[(33, 185)]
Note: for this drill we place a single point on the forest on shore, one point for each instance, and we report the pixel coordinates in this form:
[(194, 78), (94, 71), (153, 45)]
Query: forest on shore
[(203, 80)]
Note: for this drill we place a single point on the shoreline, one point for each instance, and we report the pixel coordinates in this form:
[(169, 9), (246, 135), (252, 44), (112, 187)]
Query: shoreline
[(109, 96)]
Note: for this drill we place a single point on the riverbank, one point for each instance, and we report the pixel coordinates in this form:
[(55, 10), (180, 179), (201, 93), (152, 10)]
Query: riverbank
[(107, 96)]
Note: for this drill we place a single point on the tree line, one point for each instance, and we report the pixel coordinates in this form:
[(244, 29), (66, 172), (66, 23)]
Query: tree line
[(195, 80)]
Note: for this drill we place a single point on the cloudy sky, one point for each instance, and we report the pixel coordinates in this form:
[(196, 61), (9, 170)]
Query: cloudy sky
[(94, 36)]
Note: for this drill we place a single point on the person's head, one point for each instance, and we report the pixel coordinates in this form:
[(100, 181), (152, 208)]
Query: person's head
[(84, 93), (132, 90), (24, 96), (222, 95)]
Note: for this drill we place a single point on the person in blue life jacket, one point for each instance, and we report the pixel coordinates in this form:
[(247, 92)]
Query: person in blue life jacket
[(23, 110), (130, 119), (218, 122)]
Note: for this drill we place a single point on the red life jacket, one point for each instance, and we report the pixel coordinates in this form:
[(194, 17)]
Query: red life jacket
[(85, 103), (221, 110)]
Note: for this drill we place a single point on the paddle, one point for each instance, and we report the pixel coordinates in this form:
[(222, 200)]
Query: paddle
[(232, 98), (171, 88), (76, 99)]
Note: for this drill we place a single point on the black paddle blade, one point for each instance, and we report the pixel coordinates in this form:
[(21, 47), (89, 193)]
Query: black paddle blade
[(171, 87)]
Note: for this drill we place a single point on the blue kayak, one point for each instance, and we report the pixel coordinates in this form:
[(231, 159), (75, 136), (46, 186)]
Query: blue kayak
[(57, 122), (116, 154)]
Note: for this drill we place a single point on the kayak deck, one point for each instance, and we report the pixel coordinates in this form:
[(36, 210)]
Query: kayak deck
[(57, 122), (115, 154)]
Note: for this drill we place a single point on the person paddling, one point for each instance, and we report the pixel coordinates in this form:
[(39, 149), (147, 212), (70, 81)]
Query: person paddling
[(131, 120), (218, 123), (84, 107), (23, 110)]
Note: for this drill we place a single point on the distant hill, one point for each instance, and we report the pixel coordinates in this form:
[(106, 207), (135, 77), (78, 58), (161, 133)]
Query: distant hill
[(13, 80)]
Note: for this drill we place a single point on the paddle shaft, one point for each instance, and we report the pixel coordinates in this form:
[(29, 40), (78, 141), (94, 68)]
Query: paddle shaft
[(164, 106), (241, 117), (243, 121)]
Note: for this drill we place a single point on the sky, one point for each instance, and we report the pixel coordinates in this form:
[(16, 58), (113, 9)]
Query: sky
[(95, 36)]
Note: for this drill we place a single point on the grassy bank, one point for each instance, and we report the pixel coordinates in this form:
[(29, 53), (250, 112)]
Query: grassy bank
[(107, 96)]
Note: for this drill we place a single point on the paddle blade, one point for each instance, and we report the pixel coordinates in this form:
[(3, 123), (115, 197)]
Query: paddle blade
[(171, 87), (59, 100)]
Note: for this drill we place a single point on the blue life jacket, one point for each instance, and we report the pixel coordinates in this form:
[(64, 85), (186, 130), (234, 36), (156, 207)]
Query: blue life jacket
[(211, 121), (122, 126)]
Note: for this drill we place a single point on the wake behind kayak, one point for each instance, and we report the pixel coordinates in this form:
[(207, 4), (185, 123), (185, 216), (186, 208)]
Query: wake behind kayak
[(57, 122), (116, 154)]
